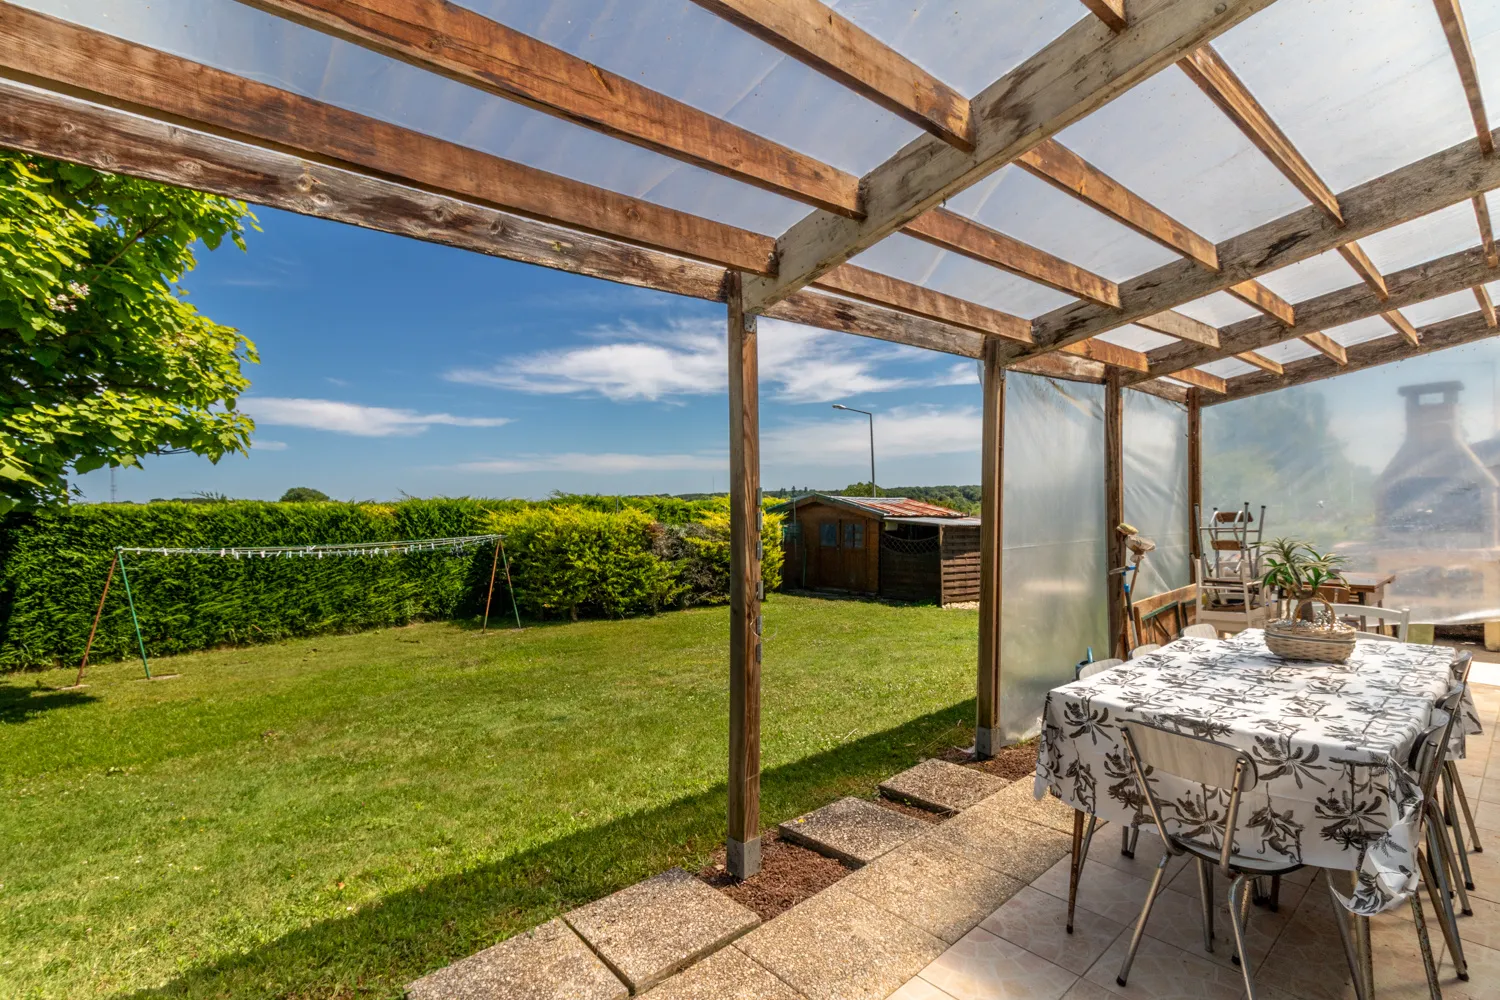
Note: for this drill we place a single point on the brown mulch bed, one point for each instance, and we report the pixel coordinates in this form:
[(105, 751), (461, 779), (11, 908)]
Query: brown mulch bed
[(1012, 763), (788, 875), (907, 809)]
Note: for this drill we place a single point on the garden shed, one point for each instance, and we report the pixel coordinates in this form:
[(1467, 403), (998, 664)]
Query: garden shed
[(901, 549)]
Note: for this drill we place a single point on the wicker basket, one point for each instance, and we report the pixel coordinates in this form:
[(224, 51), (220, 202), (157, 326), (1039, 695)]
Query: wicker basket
[(1292, 639)]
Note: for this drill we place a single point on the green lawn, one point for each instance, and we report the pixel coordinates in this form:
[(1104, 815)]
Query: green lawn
[(333, 817)]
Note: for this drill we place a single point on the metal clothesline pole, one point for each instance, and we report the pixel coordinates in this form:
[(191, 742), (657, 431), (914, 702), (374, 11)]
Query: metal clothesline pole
[(491, 592), (108, 578), (125, 577), (508, 585)]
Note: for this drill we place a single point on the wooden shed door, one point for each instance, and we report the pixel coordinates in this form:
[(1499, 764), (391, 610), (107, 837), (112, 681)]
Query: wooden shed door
[(843, 558)]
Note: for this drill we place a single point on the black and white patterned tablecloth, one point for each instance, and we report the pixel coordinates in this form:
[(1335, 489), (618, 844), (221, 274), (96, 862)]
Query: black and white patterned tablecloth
[(1330, 741)]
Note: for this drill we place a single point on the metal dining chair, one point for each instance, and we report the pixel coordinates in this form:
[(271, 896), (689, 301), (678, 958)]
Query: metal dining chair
[(1455, 799), (1098, 667), (1433, 865), (1159, 752), (1202, 631), (1140, 651)]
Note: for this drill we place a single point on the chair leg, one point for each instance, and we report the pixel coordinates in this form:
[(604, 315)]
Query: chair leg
[(1463, 802), (1239, 908), (1241, 905), (1459, 851), (1206, 897), (1275, 893), (1437, 893), (1341, 917), (1428, 962), (1140, 924), (1446, 863), (1129, 835), (1083, 834)]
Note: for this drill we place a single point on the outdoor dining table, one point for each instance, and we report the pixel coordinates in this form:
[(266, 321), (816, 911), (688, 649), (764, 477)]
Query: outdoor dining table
[(1330, 742)]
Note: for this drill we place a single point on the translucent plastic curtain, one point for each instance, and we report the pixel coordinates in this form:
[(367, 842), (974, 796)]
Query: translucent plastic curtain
[(1053, 587), (1156, 488), (1393, 468)]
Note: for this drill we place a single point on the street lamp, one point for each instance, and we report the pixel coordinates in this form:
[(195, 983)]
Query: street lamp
[(850, 409)]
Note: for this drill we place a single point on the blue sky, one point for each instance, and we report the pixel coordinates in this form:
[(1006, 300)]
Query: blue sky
[(388, 365)]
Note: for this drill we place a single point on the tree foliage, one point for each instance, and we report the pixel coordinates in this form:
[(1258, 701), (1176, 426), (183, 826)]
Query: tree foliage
[(303, 494), (102, 361)]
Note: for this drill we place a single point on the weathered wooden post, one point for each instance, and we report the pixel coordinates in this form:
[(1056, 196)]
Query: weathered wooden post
[(991, 543)]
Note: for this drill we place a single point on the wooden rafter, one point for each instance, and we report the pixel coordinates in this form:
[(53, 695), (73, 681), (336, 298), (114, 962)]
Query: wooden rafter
[(1258, 296), (1452, 17), (1201, 379), (1365, 268), (812, 33), (1429, 280), (1078, 72), (1070, 173), (883, 290), (1486, 307), (1461, 330), (1326, 346), (1110, 354), (1111, 12), (1486, 234), (445, 38), (1214, 77), (954, 232), (1403, 326), (1181, 326), (1444, 178), (1260, 361)]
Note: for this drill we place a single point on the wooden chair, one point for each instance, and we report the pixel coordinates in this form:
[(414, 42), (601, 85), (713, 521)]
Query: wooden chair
[(1098, 667), (1160, 617), (1145, 650), (1200, 631), (1217, 766), (1228, 572), (1402, 617)]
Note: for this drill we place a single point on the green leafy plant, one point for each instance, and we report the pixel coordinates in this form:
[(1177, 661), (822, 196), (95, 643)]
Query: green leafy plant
[(1296, 570), (303, 494), (102, 361)]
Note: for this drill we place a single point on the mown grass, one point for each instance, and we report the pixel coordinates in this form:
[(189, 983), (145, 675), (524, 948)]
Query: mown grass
[(333, 817)]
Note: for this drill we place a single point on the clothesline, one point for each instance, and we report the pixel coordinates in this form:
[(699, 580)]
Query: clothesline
[(340, 549)]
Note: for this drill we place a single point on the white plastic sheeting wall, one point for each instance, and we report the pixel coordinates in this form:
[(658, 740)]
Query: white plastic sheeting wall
[(1156, 488), (1337, 465), (1053, 573)]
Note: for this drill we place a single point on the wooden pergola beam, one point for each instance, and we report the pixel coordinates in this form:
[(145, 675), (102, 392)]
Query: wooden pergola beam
[(1486, 307), (987, 735), (955, 233), (1110, 354), (458, 43), (1486, 233), (820, 37), (1403, 326), (1428, 280), (1200, 379), (1111, 12), (1452, 18), (1260, 361), (1258, 296), (1436, 181), (1455, 332), (1324, 345), (1214, 77), (1365, 268), (1070, 173), (1181, 326), (1077, 73), (883, 290)]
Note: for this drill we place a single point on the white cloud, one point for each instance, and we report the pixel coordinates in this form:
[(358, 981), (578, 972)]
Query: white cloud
[(902, 432), (606, 463), (353, 418), (687, 358), (260, 444)]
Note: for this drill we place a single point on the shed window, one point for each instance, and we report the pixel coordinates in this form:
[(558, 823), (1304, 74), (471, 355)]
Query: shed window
[(828, 535), (854, 535)]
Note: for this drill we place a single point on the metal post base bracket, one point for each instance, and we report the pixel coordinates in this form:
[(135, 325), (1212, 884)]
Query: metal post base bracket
[(984, 743), (742, 859)]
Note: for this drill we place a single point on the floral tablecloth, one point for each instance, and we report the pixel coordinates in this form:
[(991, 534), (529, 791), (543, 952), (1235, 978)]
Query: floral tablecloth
[(1330, 741)]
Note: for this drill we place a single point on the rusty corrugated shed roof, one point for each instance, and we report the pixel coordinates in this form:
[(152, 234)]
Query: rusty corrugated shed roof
[(882, 506)]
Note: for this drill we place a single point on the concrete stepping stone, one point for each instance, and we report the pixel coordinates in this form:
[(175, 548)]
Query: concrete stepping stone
[(725, 975), (941, 786), (546, 963), (1018, 799), (853, 830), (657, 927), (942, 893), (989, 836)]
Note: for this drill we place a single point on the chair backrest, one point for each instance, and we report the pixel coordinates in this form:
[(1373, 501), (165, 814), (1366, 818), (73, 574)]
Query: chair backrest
[(1460, 668), (1202, 631), (1193, 759), (1430, 748), (1149, 647), (1375, 637), (1098, 667), (1402, 616)]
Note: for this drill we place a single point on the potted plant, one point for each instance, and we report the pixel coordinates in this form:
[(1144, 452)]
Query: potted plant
[(1296, 570)]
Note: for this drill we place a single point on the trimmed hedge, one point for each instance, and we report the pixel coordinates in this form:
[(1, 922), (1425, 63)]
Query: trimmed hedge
[(565, 560)]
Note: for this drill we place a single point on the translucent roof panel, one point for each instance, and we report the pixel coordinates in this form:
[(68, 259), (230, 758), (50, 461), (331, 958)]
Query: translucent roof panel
[(1287, 350), (1137, 338), (1327, 272), (1218, 309), (1035, 212), (1171, 145), (1361, 330), (1359, 88), (901, 256), (1441, 308), (1445, 231), (1228, 368)]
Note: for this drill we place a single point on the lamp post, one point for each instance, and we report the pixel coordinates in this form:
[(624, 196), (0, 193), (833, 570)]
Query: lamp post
[(850, 409)]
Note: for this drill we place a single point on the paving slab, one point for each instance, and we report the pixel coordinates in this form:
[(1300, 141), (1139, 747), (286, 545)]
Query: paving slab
[(836, 946), (727, 974), (853, 830), (1016, 799), (941, 786), (1001, 842), (944, 894), (546, 963), (654, 928)]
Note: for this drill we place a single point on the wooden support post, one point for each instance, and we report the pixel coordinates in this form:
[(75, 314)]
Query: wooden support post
[(743, 847), (991, 545), (1195, 472), (1114, 509)]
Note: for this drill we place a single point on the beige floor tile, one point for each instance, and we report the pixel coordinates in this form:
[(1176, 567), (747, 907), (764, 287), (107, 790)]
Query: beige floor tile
[(1037, 922), (1487, 814), (1472, 766), (1484, 926), (1017, 799), (982, 966), (1085, 990), (1001, 842), (942, 893), (1162, 972), (1186, 882), (1177, 919), (1109, 893), (1484, 976), (1105, 850), (919, 989), (836, 946)]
